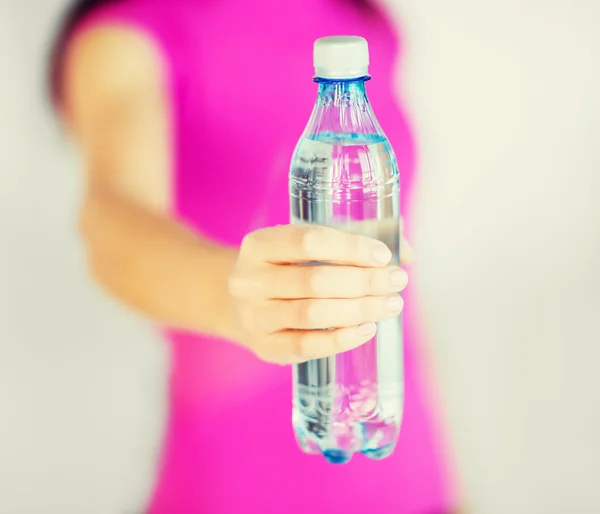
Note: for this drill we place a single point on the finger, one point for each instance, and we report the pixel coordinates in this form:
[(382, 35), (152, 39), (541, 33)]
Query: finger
[(407, 254), (295, 346), (294, 282), (387, 230), (295, 244), (327, 313)]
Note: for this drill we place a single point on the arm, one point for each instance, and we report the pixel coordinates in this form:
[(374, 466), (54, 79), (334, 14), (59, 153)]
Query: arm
[(117, 111), (254, 295)]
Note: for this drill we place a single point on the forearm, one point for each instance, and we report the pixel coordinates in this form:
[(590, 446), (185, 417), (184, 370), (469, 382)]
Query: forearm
[(158, 266)]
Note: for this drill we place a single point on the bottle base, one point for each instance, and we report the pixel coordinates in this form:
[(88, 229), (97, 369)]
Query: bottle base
[(379, 453), (338, 455)]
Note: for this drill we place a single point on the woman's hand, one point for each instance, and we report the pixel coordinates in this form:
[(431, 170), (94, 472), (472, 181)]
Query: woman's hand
[(283, 304)]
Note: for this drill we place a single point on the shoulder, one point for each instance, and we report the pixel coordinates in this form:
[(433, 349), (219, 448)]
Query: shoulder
[(122, 46), (106, 67), (108, 59)]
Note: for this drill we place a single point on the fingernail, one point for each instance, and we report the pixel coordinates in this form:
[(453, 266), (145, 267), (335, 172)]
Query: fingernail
[(394, 303), (399, 278), (367, 329), (407, 252), (382, 254)]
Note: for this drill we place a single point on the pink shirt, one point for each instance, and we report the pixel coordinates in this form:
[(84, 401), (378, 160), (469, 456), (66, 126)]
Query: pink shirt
[(238, 74)]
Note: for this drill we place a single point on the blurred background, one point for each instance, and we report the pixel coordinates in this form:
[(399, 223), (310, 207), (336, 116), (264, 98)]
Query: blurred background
[(506, 100), (81, 380), (506, 222)]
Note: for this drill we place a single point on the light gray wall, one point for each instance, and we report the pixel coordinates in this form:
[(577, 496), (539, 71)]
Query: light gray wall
[(505, 96), (81, 381)]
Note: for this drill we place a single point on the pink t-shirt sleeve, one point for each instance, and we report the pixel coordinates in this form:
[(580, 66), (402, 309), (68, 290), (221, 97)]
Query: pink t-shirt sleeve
[(165, 31)]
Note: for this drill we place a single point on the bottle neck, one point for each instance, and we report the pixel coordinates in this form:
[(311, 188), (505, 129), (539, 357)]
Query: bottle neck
[(342, 107), (340, 91)]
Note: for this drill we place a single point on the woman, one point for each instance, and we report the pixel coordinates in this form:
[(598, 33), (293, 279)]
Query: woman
[(165, 98)]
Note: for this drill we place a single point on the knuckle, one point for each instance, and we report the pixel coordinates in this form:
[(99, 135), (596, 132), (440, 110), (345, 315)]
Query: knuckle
[(312, 314), (368, 281), (307, 238), (304, 346), (315, 279), (252, 244), (304, 314)]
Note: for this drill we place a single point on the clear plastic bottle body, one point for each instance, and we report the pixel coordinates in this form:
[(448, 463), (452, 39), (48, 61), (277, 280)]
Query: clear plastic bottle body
[(344, 174)]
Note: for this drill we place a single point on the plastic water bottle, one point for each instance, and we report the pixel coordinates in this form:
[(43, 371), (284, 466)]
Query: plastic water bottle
[(344, 174)]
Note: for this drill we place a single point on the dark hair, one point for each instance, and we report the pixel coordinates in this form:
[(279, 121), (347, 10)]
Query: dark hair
[(74, 14)]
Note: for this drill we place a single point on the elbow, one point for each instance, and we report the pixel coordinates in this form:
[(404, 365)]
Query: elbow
[(92, 227), (109, 250)]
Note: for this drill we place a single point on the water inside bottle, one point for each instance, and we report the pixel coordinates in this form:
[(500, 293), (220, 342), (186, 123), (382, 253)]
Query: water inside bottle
[(351, 402)]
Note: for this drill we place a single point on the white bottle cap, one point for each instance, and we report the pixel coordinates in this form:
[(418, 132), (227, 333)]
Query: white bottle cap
[(341, 57)]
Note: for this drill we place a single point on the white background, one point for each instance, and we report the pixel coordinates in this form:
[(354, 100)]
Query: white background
[(506, 98), (81, 382)]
